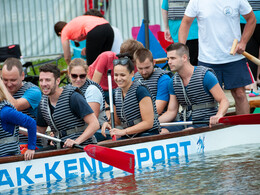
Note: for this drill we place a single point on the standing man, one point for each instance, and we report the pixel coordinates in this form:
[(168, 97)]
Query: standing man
[(172, 13), (24, 96), (155, 78), (219, 25), (196, 89), (65, 110)]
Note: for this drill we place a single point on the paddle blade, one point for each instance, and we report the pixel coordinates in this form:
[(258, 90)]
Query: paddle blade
[(246, 119), (115, 158)]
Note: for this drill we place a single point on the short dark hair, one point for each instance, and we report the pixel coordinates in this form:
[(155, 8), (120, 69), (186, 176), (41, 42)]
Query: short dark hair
[(180, 48), (142, 54), (11, 62), (59, 26), (94, 12), (51, 68)]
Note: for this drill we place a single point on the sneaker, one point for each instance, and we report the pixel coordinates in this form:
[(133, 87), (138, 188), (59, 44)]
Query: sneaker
[(253, 94)]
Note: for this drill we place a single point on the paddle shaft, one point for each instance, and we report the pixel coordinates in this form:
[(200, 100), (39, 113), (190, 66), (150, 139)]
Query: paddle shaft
[(184, 123), (247, 55), (50, 138), (111, 105)]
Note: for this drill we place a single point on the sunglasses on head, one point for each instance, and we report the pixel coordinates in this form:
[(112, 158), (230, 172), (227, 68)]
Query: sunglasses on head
[(122, 61), (81, 76)]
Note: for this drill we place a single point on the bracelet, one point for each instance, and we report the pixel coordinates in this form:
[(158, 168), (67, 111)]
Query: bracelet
[(107, 108)]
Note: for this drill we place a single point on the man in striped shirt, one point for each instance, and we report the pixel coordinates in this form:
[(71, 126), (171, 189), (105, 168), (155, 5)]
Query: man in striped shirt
[(65, 110), (195, 88)]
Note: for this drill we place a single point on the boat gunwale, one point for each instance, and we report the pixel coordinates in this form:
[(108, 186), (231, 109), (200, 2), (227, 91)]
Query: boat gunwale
[(118, 143)]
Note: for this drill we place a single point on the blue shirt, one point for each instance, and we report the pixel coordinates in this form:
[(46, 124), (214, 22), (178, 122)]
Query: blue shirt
[(209, 81), (33, 96), (162, 88), (11, 117)]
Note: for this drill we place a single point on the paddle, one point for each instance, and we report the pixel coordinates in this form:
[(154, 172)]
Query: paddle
[(245, 119), (184, 123), (115, 158), (111, 105)]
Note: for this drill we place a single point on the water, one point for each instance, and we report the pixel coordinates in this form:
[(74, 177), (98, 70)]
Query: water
[(235, 170)]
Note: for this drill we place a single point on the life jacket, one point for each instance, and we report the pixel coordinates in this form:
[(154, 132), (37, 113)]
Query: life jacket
[(63, 122), (19, 94), (176, 9), (102, 115), (194, 100), (9, 144), (128, 110), (255, 4), (152, 81)]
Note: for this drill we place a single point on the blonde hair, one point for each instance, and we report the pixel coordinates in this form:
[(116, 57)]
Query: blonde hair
[(78, 62), (2, 94)]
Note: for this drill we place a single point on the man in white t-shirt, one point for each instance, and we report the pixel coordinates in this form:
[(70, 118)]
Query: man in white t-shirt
[(219, 25)]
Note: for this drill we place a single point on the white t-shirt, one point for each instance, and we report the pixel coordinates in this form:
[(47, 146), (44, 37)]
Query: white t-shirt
[(219, 25), (93, 94)]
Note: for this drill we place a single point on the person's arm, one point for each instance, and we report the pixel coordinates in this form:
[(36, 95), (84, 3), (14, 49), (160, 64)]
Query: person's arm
[(66, 50), (172, 110), (14, 117), (20, 104), (97, 76), (247, 33), (100, 65), (93, 126), (82, 110), (184, 29), (221, 98), (167, 34), (147, 114)]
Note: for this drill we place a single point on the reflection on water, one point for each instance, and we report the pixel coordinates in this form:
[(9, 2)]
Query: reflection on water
[(232, 171)]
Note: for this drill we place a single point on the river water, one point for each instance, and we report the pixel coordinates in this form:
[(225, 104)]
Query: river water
[(235, 170)]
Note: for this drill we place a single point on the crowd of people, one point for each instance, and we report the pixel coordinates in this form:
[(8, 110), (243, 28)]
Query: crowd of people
[(143, 96)]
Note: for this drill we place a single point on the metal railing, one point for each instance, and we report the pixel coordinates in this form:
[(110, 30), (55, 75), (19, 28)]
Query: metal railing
[(30, 23)]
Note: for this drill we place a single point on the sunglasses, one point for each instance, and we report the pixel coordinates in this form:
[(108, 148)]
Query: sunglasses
[(122, 61), (81, 76)]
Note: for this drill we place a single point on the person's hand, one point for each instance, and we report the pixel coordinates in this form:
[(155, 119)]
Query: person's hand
[(167, 35), (29, 154), (214, 120), (69, 143), (83, 52), (241, 47), (105, 126), (118, 132)]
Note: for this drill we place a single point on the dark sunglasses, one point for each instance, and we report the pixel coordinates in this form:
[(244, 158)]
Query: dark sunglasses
[(122, 61), (81, 76)]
